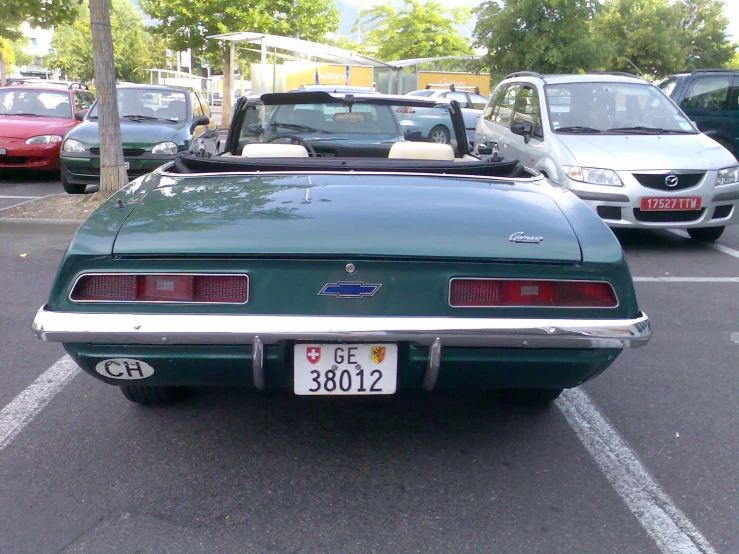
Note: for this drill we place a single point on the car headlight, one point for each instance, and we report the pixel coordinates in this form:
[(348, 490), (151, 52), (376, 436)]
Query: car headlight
[(71, 145), (593, 175), (169, 148), (728, 176), (44, 139)]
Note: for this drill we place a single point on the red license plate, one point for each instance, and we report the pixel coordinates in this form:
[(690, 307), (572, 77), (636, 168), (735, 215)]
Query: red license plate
[(670, 204)]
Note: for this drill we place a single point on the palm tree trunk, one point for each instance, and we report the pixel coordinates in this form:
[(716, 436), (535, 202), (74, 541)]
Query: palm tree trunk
[(113, 174)]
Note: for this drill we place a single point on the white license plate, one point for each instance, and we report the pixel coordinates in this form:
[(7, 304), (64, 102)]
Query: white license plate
[(345, 369), (127, 165), (3, 151)]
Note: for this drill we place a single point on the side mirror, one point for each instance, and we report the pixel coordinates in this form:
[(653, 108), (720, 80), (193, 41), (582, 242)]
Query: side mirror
[(254, 130), (198, 121), (524, 129), (413, 134), (79, 115)]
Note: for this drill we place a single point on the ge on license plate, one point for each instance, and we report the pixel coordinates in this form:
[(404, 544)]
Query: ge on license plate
[(343, 369), (670, 204)]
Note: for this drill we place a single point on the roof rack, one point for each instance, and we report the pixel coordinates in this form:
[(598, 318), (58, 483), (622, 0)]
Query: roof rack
[(453, 87), (614, 73), (716, 70), (524, 74)]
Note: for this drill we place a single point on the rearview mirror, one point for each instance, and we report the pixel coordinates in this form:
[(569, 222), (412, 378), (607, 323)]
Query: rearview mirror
[(254, 130), (198, 121), (413, 134), (522, 128)]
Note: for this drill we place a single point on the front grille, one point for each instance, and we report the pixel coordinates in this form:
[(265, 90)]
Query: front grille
[(126, 151), (657, 180), (722, 211), (13, 160), (609, 212), (676, 216)]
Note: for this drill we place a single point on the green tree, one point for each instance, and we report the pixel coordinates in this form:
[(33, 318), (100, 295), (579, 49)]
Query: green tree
[(134, 48), (188, 23), (38, 14), (549, 36), (21, 58), (414, 31), (661, 37)]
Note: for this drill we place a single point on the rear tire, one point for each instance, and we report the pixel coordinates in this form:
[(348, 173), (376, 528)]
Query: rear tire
[(148, 395), (72, 188), (440, 134), (532, 398), (706, 234)]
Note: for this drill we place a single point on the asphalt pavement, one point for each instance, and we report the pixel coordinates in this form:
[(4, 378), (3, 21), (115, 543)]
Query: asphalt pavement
[(239, 471)]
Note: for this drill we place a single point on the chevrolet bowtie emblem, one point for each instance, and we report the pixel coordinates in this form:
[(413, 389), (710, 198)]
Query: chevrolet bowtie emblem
[(348, 290)]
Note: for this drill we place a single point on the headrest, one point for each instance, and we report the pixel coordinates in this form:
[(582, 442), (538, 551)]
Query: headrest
[(274, 150), (421, 151)]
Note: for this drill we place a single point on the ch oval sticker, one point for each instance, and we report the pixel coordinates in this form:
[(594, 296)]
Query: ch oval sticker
[(124, 368)]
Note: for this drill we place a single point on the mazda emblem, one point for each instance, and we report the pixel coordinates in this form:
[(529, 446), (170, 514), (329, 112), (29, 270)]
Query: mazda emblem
[(671, 180)]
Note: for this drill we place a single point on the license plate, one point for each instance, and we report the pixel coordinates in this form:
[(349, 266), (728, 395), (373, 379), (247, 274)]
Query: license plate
[(345, 369), (670, 204), (3, 151), (127, 165)]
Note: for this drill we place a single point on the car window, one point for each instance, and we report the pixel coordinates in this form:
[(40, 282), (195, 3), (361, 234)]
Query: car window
[(734, 102), (421, 93), (197, 109), (503, 112), (527, 109), (495, 99), (460, 97), (478, 101), (148, 103), (708, 93), (668, 85), (35, 102), (81, 102), (89, 96)]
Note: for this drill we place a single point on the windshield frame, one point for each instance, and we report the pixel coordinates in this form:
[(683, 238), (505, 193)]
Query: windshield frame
[(613, 129)]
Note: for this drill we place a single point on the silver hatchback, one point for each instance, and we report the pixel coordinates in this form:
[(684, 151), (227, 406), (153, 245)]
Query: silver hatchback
[(618, 143)]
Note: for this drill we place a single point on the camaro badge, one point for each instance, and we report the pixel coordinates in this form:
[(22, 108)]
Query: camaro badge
[(313, 353), (345, 289), (520, 237), (378, 354)]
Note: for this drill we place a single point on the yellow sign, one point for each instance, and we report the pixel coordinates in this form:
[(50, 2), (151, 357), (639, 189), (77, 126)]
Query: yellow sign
[(439, 79), (328, 74)]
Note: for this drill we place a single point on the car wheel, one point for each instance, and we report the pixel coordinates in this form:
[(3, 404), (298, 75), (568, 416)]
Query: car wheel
[(533, 398), (72, 188), (706, 234), (439, 134), (148, 395)]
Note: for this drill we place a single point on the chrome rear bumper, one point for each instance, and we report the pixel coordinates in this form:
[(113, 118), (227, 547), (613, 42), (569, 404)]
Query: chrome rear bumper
[(176, 329)]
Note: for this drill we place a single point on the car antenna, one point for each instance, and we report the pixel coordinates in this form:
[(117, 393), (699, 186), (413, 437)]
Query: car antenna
[(634, 65)]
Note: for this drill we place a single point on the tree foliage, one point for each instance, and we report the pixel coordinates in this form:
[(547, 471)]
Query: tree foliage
[(414, 31), (37, 14), (549, 36), (134, 47), (187, 23)]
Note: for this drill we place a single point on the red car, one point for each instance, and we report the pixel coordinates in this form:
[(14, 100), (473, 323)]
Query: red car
[(34, 119)]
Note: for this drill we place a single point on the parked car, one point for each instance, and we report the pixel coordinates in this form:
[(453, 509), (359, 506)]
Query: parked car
[(269, 266), (618, 143), (470, 100), (157, 122), (709, 97), (34, 119)]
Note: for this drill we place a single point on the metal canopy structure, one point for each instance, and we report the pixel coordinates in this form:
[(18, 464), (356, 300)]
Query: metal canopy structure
[(399, 64)]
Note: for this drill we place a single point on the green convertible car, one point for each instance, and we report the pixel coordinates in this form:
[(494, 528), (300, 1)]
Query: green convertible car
[(318, 260), (157, 123)]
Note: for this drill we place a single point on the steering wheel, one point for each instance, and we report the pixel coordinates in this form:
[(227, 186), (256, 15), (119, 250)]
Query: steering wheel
[(294, 139)]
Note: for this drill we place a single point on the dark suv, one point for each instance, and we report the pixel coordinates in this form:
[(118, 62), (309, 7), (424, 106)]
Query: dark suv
[(710, 97)]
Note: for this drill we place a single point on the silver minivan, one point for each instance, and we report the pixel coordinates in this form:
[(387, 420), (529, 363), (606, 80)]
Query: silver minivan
[(620, 144)]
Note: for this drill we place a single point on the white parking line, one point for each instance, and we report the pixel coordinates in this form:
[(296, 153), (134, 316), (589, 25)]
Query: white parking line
[(3, 197), (713, 245), (686, 279), (652, 507), (24, 407)]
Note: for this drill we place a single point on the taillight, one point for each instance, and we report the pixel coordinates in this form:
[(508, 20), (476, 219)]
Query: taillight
[(195, 289), (405, 110), (484, 293)]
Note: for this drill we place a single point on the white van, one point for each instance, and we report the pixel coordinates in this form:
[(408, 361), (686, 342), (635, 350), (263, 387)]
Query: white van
[(619, 143)]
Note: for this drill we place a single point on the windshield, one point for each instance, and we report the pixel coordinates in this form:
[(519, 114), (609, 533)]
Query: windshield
[(149, 104), (364, 123), (39, 103), (631, 108)]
